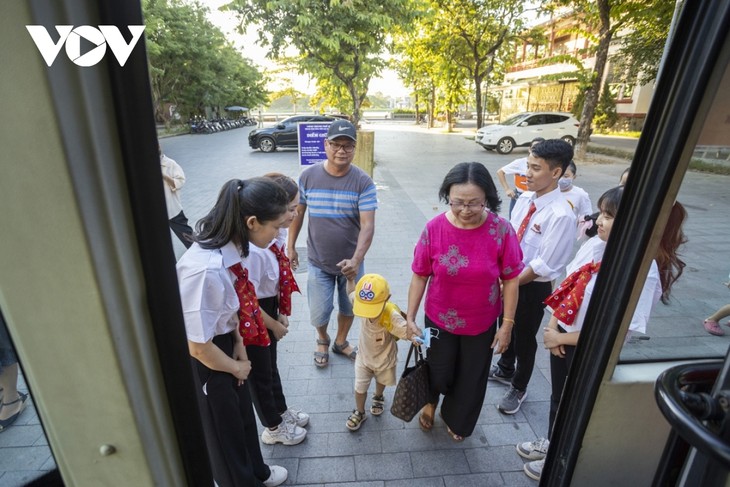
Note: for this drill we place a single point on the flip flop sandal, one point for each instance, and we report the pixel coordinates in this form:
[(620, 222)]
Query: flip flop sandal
[(322, 359), (6, 423), (425, 421), (454, 436), (340, 350), (378, 405), (355, 420)]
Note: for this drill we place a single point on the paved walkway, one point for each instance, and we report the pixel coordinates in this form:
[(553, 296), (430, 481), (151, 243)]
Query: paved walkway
[(387, 452)]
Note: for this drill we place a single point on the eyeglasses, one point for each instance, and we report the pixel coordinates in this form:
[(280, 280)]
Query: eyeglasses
[(464, 206), (349, 148)]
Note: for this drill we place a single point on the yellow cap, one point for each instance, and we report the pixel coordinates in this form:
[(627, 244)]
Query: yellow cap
[(371, 293)]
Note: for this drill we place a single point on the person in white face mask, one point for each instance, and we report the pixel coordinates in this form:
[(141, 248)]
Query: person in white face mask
[(576, 197)]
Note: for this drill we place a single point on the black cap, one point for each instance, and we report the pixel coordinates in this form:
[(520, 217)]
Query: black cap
[(341, 128)]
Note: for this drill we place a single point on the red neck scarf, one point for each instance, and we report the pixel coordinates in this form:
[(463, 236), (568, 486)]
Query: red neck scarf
[(565, 301), (250, 321), (287, 283)]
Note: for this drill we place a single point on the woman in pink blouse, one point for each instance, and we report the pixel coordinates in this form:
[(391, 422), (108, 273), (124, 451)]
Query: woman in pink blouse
[(467, 261)]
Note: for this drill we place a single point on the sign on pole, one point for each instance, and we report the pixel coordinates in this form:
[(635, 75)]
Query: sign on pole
[(311, 142)]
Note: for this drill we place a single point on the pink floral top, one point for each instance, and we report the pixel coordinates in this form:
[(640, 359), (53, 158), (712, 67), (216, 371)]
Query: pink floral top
[(464, 267)]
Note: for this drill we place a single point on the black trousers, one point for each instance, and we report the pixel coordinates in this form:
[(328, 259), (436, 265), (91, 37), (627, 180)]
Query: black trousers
[(265, 382), (179, 225), (229, 425), (523, 346), (559, 368), (458, 370)]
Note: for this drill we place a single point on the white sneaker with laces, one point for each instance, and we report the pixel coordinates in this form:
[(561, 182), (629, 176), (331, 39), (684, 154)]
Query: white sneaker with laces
[(296, 416), (534, 469), (277, 477), (286, 434), (534, 450)]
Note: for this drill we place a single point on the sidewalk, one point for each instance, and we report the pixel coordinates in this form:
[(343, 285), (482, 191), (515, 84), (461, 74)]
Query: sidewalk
[(386, 452)]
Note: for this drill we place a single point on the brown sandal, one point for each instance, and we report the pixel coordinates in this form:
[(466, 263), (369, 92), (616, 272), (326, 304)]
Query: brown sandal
[(425, 420), (324, 357)]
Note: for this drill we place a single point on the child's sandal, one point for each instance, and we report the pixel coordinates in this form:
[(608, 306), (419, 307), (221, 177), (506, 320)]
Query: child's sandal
[(356, 420), (378, 405)]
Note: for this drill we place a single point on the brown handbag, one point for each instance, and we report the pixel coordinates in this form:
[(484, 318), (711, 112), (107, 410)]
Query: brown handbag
[(412, 391)]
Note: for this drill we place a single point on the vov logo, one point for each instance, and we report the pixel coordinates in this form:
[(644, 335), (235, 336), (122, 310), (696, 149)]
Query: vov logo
[(71, 36)]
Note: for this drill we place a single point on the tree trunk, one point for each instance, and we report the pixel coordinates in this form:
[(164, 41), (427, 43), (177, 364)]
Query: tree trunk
[(479, 100), (591, 97)]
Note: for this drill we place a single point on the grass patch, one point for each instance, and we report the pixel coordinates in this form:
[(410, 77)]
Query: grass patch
[(173, 130), (703, 166), (634, 135), (610, 151)]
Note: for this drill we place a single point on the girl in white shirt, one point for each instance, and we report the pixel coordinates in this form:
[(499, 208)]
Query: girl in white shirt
[(569, 305), (271, 274), (218, 304)]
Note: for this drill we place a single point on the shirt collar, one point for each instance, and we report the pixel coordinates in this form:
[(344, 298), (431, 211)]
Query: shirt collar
[(231, 255), (545, 199)]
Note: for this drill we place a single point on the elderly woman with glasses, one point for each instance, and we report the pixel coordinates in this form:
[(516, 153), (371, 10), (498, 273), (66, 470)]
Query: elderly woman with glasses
[(466, 261)]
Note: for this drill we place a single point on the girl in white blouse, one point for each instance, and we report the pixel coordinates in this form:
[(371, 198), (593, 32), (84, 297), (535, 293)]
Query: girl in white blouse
[(217, 300)]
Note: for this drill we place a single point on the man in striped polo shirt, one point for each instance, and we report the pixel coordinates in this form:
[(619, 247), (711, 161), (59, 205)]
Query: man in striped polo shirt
[(342, 201)]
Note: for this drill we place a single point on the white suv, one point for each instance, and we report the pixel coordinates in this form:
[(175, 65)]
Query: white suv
[(519, 130)]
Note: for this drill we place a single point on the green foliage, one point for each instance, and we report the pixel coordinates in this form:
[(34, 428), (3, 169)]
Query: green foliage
[(458, 43), (606, 116), (642, 46), (191, 63), (340, 42)]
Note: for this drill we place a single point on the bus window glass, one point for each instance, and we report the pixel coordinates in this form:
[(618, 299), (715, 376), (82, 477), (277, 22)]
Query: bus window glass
[(695, 324)]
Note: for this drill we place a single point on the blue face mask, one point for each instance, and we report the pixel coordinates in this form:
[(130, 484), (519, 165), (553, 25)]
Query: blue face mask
[(425, 340)]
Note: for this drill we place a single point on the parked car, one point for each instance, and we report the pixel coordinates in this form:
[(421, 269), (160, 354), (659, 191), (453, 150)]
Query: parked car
[(283, 134), (519, 130)]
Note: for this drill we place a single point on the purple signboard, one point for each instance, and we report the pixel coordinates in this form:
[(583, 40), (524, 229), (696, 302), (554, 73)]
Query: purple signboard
[(311, 142)]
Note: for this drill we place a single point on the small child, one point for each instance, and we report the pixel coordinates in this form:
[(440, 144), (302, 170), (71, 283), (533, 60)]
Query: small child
[(576, 197), (382, 323)]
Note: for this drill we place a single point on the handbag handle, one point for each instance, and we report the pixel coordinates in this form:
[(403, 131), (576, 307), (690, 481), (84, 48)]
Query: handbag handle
[(419, 354)]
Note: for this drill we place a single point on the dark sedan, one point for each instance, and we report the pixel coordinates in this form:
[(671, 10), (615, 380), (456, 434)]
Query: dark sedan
[(283, 134)]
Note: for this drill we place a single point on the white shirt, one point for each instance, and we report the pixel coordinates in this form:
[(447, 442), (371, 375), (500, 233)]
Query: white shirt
[(579, 200), (263, 267), (209, 301), (518, 167), (171, 169), (592, 251), (548, 240)]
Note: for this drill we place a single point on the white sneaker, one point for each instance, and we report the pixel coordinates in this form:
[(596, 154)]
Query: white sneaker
[(286, 434), (534, 450), (278, 476), (296, 416)]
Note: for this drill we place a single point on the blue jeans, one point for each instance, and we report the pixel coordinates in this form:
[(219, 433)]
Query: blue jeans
[(321, 292)]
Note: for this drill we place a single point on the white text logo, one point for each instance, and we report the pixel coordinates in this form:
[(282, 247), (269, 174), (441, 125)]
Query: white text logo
[(71, 37)]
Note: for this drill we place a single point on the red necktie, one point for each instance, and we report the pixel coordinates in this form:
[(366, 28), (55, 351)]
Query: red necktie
[(525, 222), (287, 283), (250, 321), (565, 301)]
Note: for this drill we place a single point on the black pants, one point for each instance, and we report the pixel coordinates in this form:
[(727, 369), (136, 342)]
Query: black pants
[(523, 346), (559, 368), (264, 380), (179, 225), (458, 370), (229, 425)]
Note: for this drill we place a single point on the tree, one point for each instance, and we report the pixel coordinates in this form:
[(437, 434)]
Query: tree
[(192, 65), (606, 18), (339, 41), (606, 115), (643, 46)]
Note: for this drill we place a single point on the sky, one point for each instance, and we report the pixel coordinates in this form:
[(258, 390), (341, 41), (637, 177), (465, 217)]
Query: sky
[(388, 83)]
